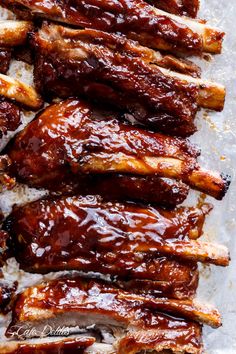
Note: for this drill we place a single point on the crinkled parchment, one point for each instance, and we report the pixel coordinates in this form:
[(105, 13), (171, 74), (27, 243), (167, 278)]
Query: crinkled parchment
[(217, 138)]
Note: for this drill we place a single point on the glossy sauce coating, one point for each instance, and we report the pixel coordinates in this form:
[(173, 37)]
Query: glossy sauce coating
[(60, 141), (122, 80), (91, 298), (52, 234), (135, 18)]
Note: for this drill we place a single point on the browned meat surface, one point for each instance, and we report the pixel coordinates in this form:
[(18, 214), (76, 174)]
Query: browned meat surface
[(135, 18), (10, 118), (67, 139), (178, 7), (110, 69)]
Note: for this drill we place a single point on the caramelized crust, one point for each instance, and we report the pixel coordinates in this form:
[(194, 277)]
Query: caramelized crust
[(135, 18), (75, 142)]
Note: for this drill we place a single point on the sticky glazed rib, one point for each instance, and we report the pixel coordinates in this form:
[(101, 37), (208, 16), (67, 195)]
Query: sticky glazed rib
[(76, 142), (85, 302), (178, 7), (125, 78), (78, 345), (137, 19), (94, 228), (110, 242)]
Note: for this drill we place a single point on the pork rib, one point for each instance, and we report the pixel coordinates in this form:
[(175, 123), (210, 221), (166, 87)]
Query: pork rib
[(137, 19), (75, 142), (93, 226), (87, 302), (125, 78)]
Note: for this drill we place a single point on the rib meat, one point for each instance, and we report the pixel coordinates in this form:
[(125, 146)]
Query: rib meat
[(67, 139), (125, 78), (178, 7), (7, 295), (135, 18), (87, 227), (110, 242), (87, 297)]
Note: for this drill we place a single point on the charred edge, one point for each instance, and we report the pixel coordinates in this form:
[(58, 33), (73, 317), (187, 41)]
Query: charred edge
[(226, 183)]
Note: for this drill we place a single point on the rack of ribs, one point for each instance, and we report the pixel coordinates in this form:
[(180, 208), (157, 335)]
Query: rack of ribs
[(68, 138), (126, 78), (136, 19)]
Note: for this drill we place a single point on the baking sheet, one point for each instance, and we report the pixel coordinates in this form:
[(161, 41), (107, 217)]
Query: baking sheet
[(217, 138)]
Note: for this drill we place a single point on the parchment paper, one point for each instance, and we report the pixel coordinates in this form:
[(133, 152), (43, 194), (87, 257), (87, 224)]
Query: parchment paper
[(217, 138)]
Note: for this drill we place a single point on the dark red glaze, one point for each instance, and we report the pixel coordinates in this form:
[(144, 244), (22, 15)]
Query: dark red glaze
[(100, 68), (135, 18), (149, 189), (63, 346), (84, 233), (178, 7), (96, 302), (5, 58), (59, 142), (10, 118)]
